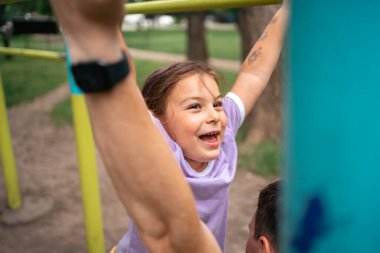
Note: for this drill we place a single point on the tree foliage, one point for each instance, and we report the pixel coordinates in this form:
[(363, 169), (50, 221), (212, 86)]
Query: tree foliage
[(40, 7)]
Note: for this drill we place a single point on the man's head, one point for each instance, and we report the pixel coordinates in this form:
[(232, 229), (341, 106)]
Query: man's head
[(263, 227)]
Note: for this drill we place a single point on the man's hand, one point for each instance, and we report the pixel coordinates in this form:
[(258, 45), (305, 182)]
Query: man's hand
[(90, 28)]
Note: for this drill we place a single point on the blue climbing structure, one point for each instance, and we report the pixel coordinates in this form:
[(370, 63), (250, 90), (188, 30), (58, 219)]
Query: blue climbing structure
[(332, 133)]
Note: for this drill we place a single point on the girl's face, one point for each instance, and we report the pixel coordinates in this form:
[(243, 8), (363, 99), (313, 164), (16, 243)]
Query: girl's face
[(194, 118)]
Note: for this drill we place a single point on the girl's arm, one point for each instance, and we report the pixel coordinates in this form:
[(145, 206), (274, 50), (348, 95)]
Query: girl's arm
[(145, 175), (261, 60)]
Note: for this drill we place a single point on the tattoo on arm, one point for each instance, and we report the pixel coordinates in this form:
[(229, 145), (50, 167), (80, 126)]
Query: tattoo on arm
[(252, 57)]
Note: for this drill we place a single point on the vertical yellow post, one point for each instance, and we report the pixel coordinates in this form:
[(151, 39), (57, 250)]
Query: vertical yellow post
[(87, 169), (7, 156), (88, 175)]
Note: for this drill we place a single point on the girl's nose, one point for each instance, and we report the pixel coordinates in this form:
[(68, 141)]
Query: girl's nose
[(213, 115)]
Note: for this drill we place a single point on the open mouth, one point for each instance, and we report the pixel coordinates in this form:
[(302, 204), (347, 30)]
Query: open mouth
[(210, 137)]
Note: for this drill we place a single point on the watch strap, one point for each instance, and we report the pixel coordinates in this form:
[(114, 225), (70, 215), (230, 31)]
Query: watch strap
[(118, 69), (100, 76)]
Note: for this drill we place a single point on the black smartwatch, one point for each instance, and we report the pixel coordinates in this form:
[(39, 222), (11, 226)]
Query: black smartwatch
[(99, 76)]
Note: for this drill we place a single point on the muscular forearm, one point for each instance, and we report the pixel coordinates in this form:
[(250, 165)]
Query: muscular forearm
[(141, 166)]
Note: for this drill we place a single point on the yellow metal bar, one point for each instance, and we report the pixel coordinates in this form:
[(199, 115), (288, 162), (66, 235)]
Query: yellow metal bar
[(88, 175), (7, 156), (49, 55), (170, 6)]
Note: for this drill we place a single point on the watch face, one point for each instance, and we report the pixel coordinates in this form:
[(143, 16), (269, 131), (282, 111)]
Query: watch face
[(91, 77), (99, 76)]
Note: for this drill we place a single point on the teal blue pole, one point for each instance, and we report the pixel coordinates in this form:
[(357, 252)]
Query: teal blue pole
[(332, 135)]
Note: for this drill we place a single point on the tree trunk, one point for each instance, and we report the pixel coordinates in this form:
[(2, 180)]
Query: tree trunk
[(196, 37), (265, 120)]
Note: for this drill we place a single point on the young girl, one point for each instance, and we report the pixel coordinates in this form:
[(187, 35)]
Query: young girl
[(200, 125)]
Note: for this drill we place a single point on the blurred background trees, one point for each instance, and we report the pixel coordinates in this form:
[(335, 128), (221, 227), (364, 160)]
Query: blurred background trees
[(40, 7)]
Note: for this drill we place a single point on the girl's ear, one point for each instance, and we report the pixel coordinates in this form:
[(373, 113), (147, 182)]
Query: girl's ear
[(265, 245)]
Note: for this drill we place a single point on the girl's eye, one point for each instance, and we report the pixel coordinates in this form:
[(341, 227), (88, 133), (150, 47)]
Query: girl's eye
[(194, 106), (218, 104)]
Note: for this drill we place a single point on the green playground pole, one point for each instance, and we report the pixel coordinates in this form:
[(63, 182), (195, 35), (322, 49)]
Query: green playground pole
[(332, 162), (7, 156)]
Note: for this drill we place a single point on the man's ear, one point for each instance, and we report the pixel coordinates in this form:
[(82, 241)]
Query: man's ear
[(265, 245)]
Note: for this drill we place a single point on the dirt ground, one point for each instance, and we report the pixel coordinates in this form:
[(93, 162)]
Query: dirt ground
[(47, 167)]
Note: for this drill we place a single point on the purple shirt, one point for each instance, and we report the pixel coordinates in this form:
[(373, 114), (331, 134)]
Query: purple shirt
[(211, 186)]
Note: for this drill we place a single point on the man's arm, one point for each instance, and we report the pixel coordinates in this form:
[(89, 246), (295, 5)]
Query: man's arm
[(142, 168), (261, 60)]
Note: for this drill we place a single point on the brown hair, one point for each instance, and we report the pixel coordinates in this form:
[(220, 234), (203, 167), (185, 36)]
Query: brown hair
[(160, 83), (267, 213)]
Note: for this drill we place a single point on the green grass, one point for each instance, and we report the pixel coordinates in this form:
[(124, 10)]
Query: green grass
[(242, 132), (61, 114), (50, 43), (145, 68), (263, 158), (25, 79), (223, 44), (169, 41)]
